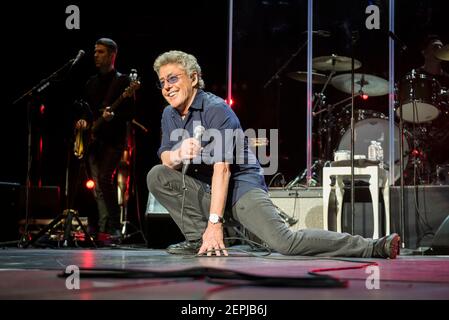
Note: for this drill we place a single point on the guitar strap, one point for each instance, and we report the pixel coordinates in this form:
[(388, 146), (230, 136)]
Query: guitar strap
[(107, 99)]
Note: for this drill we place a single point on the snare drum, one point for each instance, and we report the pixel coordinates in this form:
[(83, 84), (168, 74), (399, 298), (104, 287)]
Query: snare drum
[(418, 97)]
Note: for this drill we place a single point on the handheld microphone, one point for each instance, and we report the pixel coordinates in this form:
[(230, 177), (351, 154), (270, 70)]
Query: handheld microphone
[(197, 133), (80, 54)]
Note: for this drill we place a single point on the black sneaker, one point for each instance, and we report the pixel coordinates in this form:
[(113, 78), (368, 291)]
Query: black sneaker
[(387, 247), (185, 247)]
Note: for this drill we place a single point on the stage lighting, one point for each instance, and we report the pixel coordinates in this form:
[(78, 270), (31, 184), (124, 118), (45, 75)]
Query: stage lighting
[(90, 184)]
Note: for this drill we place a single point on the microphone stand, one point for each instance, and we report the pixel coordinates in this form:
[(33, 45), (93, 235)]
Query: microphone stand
[(401, 154), (276, 76), (401, 169), (44, 83), (39, 87), (286, 63), (353, 39)]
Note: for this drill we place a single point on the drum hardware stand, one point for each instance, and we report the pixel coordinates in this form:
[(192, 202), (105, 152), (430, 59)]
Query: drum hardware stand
[(401, 164), (418, 152), (327, 154), (325, 125), (320, 101), (321, 95), (336, 104), (416, 161)]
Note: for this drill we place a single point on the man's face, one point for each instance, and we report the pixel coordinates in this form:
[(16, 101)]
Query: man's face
[(102, 57), (432, 48), (177, 87)]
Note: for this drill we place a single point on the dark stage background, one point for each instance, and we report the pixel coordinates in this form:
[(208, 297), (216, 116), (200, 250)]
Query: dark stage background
[(35, 43)]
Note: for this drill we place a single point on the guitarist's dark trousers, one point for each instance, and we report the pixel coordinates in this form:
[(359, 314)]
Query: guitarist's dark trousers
[(103, 159)]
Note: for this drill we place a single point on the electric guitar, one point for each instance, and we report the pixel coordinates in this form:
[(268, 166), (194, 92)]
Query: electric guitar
[(80, 144)]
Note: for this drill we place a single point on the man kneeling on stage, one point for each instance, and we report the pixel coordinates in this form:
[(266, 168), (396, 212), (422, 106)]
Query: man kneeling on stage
[(218, 186)]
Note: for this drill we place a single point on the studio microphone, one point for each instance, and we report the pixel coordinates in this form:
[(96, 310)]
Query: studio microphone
[(197, 133), (399, 41), (80, 54)]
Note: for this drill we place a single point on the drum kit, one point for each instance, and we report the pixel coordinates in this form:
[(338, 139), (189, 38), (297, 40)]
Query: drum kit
[(423, 100)]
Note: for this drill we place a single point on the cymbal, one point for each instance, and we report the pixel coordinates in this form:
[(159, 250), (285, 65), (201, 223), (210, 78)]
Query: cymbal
[(443, 53), (317, 78), (371, 85), (334, 63)]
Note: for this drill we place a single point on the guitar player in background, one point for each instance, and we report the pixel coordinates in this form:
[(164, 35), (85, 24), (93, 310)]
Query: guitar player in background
[(107, 123)]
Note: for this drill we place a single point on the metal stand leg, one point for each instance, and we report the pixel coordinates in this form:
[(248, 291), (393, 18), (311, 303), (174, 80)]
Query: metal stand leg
[(66, 216)]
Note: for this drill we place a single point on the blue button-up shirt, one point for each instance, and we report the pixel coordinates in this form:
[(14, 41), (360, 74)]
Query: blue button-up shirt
[(223, 140)]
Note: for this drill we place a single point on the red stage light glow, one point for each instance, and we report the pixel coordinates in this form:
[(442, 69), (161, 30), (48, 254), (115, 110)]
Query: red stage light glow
[(90, 184)]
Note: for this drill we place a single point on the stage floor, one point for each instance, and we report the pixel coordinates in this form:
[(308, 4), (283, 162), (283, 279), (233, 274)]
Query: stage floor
[(34, 274)]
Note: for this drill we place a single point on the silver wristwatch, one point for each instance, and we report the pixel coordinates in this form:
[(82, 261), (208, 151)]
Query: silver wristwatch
[(215, 218)]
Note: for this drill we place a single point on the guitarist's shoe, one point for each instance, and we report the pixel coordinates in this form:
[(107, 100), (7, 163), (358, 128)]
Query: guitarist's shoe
[(107, 240)]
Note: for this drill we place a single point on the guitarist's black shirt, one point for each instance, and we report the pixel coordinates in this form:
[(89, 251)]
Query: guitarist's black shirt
[(103, 90)]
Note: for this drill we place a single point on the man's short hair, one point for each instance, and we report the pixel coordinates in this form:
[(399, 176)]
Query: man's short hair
[(109, 43), (188, 62), (429, 39)]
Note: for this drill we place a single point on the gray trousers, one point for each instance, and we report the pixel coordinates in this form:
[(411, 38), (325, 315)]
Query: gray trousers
[(254, 211)]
